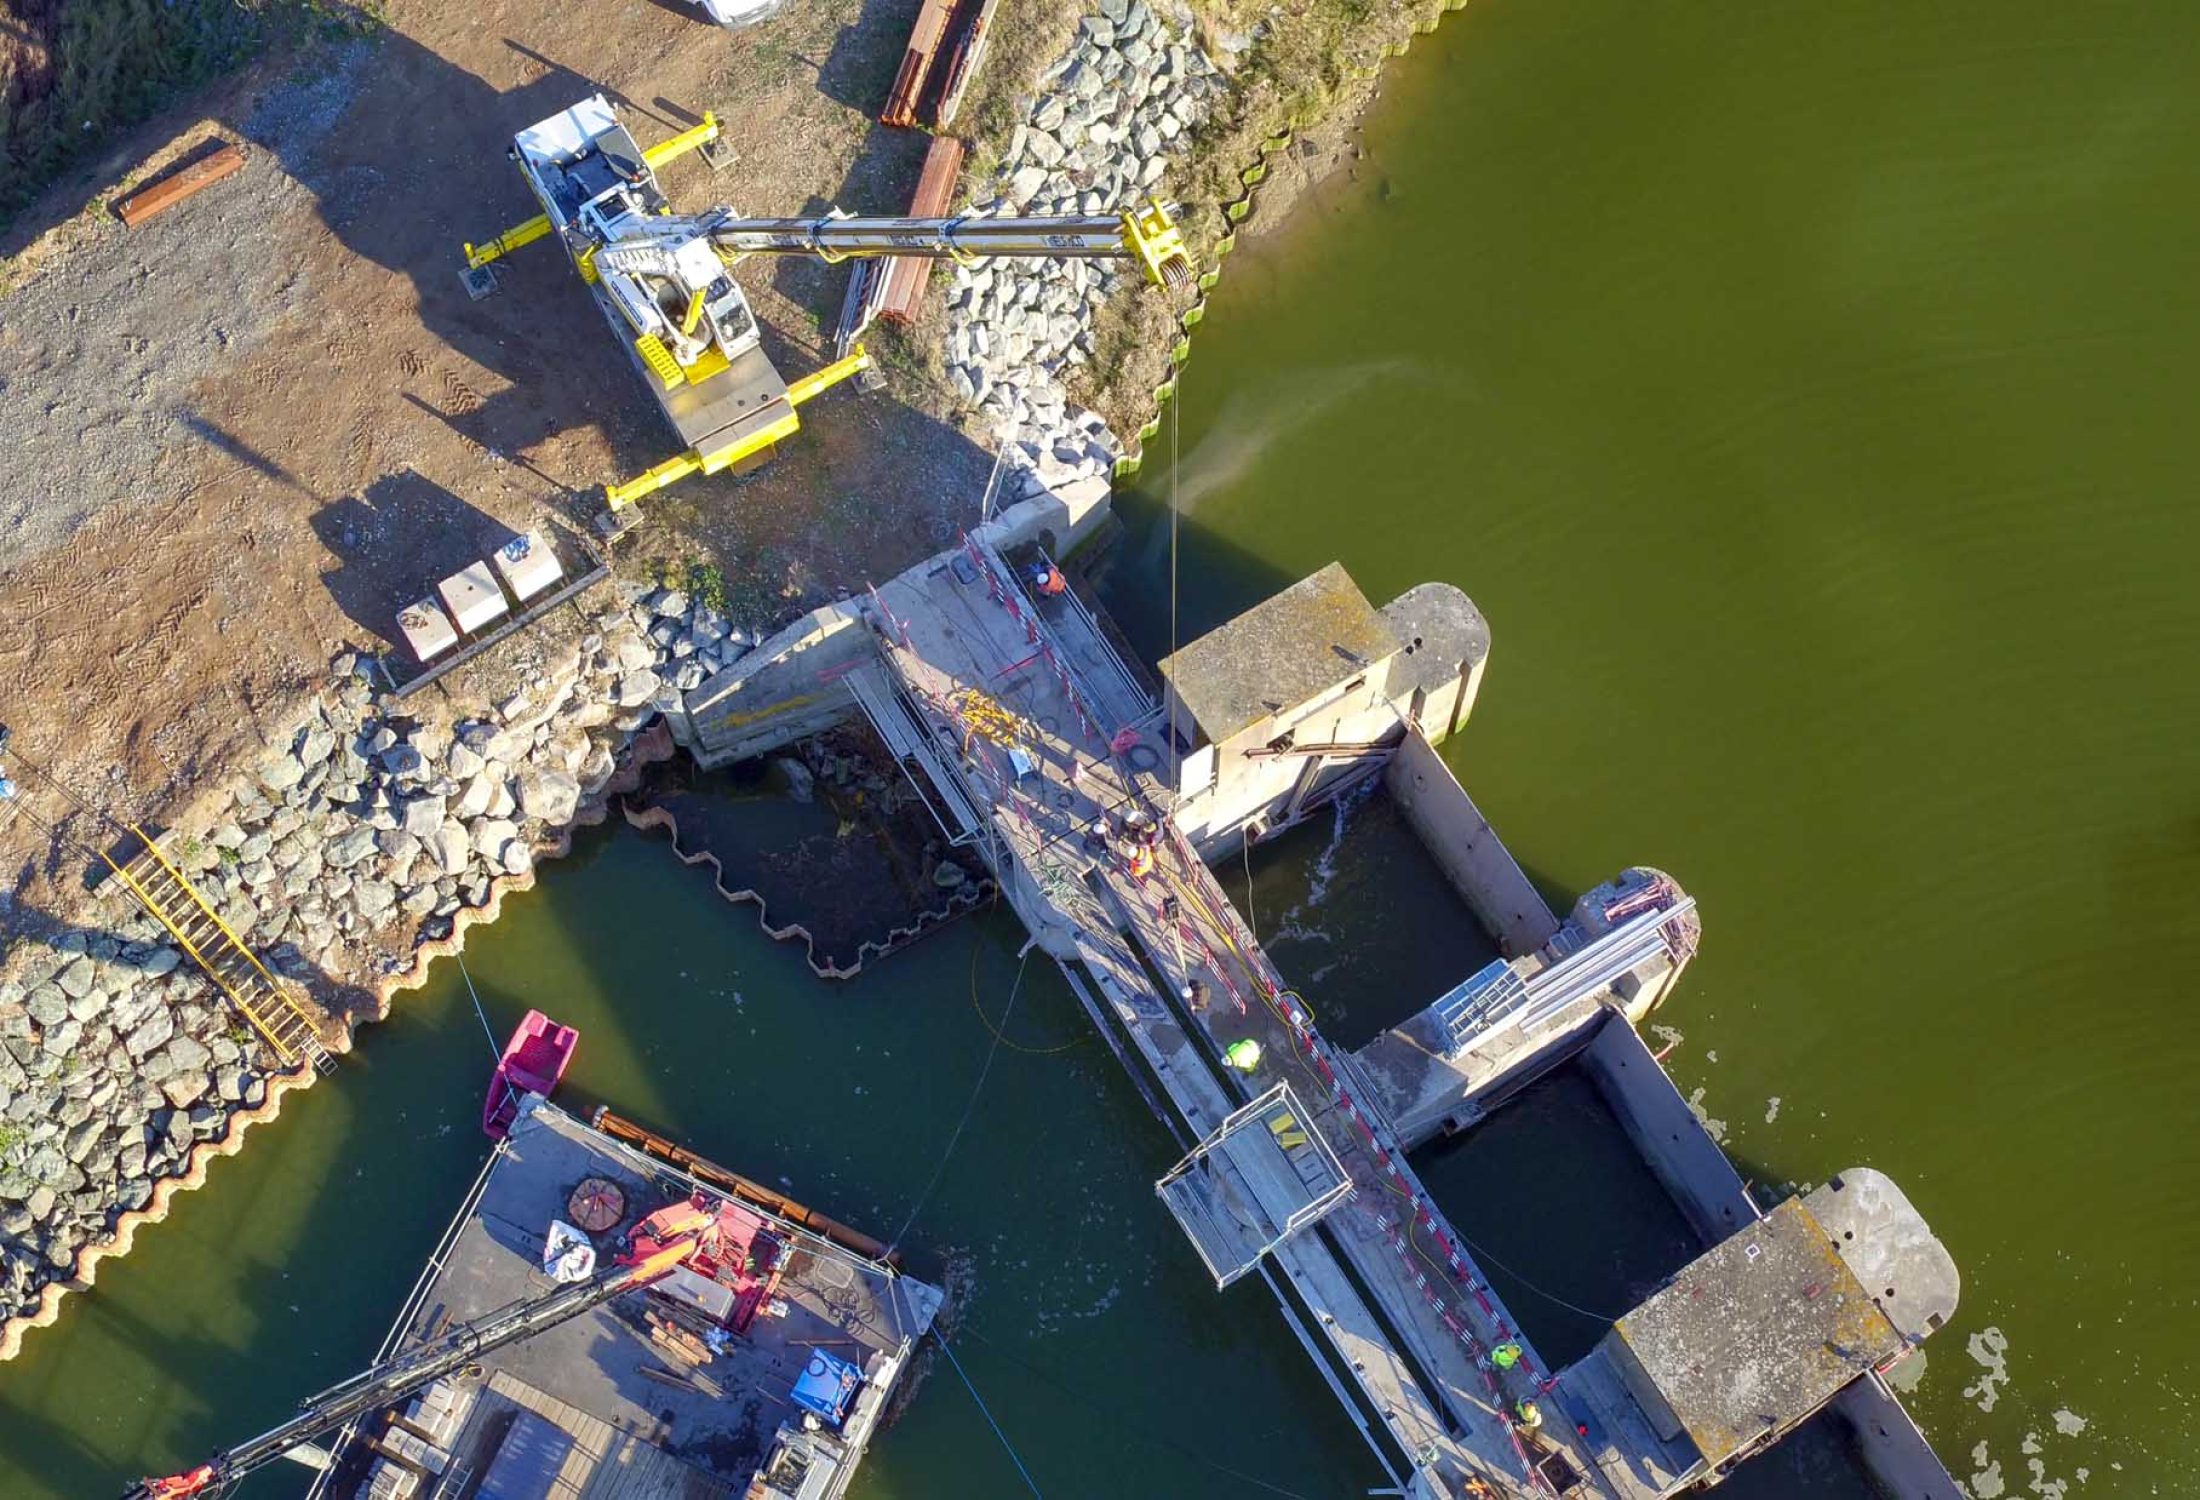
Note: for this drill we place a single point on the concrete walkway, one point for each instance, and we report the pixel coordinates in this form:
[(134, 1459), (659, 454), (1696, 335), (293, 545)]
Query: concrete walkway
[(1394, 1292)]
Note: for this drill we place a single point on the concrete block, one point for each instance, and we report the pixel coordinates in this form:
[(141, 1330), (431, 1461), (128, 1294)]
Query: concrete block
[(426, 629), (528, 566), (473, 598)]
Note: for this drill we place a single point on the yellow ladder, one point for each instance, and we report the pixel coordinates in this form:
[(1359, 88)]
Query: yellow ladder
[(268, 1003)]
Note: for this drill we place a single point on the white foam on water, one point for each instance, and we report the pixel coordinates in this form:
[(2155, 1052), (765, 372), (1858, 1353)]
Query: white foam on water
[(2068, 1422), (1293, 927), (1715, 1128), (1990, 1348), (1986, 1481), (1772, 1109)]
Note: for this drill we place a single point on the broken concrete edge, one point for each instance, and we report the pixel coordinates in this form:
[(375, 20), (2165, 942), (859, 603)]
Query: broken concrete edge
[(897, 938), (648, 747)]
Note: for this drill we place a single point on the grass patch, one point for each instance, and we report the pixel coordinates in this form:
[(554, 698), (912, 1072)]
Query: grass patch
[(74, 73)]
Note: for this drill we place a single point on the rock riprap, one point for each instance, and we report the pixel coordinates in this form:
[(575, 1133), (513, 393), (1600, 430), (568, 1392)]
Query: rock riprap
[(1110, 114), (362, 834)]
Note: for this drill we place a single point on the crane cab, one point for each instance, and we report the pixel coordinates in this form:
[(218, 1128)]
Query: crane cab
[(663, 287), (685, 317)]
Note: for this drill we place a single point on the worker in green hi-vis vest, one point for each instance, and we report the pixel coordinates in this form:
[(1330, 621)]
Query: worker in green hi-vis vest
[(1243, 1055)]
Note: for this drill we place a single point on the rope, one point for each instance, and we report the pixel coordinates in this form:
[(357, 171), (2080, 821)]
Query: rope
[(998, 1035), (1136, 1429), (96, 814), (961, 1125), (1548, 1296), (1252, 922), (1176, 471), (479, 1014), (949, 1350)]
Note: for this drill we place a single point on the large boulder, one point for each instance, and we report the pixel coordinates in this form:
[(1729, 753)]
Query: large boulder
[(422, 816), (155, 1030), (551, 796), (348, 849), (450, 847), (48, 1006), (371, 898)]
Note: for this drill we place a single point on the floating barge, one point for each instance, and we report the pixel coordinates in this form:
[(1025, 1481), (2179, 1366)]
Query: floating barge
[(765, 1381)]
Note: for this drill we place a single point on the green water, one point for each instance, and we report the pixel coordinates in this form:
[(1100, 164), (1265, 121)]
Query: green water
[(1802, 391), (1090, 1331)]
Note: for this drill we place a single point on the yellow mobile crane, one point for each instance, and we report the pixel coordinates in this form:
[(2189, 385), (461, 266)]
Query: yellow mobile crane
[(665, 283)]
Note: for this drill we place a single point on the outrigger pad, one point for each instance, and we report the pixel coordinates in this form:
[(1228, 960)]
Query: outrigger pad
[(613, 524), (479, 281), (717, 155)]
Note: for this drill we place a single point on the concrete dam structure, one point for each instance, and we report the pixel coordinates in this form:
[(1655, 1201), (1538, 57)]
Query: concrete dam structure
[(1096, 798)]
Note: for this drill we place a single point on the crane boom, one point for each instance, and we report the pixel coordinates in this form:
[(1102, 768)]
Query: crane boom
[(395, 1379), (1148, 236), (665, 280)]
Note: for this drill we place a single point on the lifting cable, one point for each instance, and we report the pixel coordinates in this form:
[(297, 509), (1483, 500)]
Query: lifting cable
[(1176, 472), (999, 1035), (480, 1014), (1135, 1430), (983, 1410), (968, 1109), (1484, 1255)]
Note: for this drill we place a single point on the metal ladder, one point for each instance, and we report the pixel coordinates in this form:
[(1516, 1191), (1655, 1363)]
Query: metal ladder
[(268, 1003)]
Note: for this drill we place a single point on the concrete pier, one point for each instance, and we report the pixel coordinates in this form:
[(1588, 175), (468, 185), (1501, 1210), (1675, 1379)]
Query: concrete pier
[(1385, 1311), (1096, 807)]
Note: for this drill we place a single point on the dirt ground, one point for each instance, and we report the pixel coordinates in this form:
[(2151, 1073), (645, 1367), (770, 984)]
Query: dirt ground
[(249, 431), (242, 436)]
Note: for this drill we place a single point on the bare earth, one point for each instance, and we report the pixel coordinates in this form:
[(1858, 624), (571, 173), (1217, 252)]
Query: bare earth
[(241, 436)]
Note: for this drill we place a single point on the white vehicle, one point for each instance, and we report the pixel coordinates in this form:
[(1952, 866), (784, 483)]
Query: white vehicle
[(735, 14)]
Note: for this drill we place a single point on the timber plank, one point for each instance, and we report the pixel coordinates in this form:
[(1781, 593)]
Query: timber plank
[(171, 190)]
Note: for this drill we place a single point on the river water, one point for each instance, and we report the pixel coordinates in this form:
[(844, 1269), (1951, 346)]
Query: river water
[(1802, 393)]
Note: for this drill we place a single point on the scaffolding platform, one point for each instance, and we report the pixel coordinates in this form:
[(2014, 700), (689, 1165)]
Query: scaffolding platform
[(1260, 1178)]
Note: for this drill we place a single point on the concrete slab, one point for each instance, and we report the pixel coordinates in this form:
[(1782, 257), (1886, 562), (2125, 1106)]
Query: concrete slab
[(426, 629), (1752, 1337), (528, 566), (1286, 651)]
